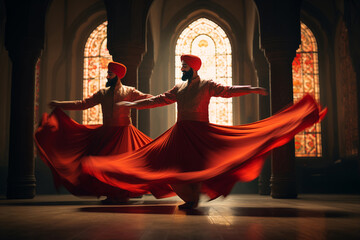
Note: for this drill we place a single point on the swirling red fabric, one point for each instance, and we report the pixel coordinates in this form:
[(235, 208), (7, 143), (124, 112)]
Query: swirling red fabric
[(63, 143), (194, 151)]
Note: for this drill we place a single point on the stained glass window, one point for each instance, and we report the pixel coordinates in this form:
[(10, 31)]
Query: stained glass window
[(96, 59), (207, 40), (305, 69)]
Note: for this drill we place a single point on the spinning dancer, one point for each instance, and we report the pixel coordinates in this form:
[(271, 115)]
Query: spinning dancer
[(194, 155), (62, 143)]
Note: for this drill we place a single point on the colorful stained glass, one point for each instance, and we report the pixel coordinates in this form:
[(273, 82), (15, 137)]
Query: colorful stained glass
[(96, 59), (305, 68), (207, 40)]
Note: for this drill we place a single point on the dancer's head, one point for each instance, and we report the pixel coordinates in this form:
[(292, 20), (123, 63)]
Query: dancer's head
[(190, 65), (115, 71)]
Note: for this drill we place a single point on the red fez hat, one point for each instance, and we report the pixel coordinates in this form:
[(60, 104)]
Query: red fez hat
[(193, 61), (117, 68)]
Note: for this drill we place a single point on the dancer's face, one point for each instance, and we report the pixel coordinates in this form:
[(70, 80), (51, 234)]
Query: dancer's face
[(111, 79), (111, 75), (187, 71)]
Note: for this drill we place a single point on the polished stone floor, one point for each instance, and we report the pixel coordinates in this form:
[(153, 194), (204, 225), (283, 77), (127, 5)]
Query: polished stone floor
[(235, 217)]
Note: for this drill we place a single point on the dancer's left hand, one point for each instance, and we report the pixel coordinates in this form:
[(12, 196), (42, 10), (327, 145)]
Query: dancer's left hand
[(262, 91)]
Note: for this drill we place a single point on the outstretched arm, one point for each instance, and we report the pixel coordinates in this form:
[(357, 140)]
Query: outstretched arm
[(77, 104), (152, 102), (138, 95), (219, 90)]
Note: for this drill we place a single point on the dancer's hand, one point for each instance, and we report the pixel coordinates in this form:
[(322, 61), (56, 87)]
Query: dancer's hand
[(125, 104), (54, 104), (262, 91)]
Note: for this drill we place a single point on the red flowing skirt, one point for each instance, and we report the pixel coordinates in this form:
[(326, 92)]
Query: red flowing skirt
[(63, 143), (192, 151)]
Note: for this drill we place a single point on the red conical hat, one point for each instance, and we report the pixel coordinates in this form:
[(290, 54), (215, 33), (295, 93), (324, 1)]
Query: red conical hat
[(193, 61), (117, 68)]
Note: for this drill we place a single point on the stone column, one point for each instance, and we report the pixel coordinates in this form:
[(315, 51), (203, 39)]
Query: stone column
[(280, 38), (21, 178), (283, 178), (126, 36), (24, 48)]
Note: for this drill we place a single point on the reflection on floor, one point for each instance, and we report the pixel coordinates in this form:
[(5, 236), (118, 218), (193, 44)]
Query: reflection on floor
[(235, 217)]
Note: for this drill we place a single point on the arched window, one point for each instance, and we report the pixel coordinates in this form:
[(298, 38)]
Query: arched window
[(305, 68), (207, 40), (96, 59)]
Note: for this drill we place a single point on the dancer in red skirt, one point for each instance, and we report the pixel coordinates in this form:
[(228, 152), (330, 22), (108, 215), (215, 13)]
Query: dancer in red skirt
[(62, 143), (194, 155)]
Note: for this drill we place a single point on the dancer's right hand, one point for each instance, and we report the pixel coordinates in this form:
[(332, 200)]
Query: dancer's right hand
[(54, 104)]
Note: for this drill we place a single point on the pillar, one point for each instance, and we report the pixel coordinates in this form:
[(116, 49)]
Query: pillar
[(280, 38), (24, 48), (283, 178)]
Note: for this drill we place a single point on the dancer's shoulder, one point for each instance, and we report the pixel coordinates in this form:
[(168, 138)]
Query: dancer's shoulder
[(128, 88), (103, 91), (179, 84), (208, 82)]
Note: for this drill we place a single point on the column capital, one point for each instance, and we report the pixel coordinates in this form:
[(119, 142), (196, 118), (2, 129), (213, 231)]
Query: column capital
[(129, 54), (127, 23), (280, 34), (25, 27), (283, 54), (27, 50)]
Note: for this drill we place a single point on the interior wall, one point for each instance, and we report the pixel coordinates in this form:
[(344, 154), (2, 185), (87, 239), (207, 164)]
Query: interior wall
[(5, 94), (68, 25), (346, 83)]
